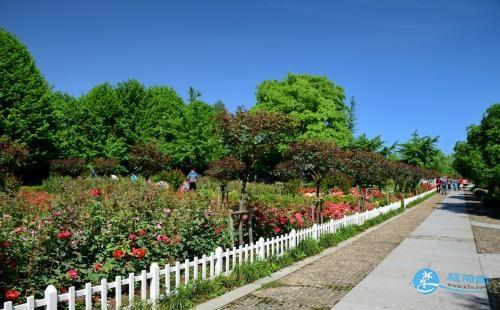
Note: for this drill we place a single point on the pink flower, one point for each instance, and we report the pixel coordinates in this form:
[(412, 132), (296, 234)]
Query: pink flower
[(141, 232), (132, 237), (20, 229), (277, 229), (72, 273), (65, 234), (163, 238)]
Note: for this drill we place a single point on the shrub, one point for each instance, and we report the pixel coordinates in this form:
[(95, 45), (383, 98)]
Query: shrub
[(146, 159), (72, 167), (173, 177), (105, 166)]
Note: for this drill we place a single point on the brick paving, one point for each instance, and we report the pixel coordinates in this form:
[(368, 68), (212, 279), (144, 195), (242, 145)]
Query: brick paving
[(487, 240), (324, 282)]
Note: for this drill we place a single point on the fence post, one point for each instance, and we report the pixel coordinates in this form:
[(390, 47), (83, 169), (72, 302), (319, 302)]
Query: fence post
[(293, 239), (315, 231), (260, 254), (218, 266), (104, 294), (155, 283), (51, 297)]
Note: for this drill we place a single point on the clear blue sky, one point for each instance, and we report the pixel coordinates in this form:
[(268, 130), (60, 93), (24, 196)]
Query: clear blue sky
[(428, 65)]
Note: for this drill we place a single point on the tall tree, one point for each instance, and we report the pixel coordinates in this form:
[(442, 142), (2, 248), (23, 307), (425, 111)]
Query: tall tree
[(419, 151), (479, 157), (316, 102), (25, 110), (193, 94), (249, 136), (352, 115)]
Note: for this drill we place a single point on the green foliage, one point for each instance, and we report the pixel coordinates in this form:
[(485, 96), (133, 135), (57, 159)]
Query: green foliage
[(479, 157), (419, 151), (316, 102), (173, 177), (25, 110), (250, 136), (68, 167)]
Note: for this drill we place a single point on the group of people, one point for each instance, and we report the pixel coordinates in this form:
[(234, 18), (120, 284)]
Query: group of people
[(445, 184)]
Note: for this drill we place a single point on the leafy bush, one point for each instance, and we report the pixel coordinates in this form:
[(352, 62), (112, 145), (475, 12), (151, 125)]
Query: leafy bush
[(105, 166), (174, 177), (72, 167), (146, 159)]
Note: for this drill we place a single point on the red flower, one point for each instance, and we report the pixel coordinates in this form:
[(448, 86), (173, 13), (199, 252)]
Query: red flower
[(219, 230), (95, 192), (118, 254), (97, 267), (5, 244), (138, 253), (141, 232), (72, 273), (277, 229), (65, 234), (163, 238), (132, 237), (12, 295)]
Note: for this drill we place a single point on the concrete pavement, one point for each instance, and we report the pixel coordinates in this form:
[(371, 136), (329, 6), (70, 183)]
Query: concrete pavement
[(444, 242)]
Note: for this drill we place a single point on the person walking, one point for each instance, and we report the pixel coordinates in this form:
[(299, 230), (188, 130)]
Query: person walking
[(438, 185), (192, 177), (444, 186), (455, 185)]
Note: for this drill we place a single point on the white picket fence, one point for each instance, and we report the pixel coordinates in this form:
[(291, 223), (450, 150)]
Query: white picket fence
[(164, 281)]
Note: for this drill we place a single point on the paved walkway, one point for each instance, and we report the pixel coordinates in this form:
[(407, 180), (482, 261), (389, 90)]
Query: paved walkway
[(324, 282), (444, 242)]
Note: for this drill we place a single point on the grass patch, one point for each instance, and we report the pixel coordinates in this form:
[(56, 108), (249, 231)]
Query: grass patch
[(198, 292)]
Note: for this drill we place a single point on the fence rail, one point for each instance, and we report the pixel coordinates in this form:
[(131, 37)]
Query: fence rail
[(163, 281)]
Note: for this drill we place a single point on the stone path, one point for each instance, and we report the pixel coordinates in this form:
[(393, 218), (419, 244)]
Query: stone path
[(444, 242), (324, 282)]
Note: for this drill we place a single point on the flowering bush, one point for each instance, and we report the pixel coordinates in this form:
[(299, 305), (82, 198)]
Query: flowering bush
[(83, 230)]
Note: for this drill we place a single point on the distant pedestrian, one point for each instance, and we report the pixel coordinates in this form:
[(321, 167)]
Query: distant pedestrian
[(438, 185), (192, 177), (455, 185)]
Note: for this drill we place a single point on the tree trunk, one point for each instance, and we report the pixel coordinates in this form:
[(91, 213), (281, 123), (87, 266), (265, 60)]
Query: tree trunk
[(242, 206), (318, 183)]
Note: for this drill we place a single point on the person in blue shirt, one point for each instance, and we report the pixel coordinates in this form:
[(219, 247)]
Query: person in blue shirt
[(192, 177)]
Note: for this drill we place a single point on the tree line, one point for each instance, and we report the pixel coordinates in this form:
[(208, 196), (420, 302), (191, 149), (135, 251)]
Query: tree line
[(131, 128)]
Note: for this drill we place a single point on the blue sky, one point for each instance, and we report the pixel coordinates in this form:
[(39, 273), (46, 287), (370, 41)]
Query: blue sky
[(428, 65)]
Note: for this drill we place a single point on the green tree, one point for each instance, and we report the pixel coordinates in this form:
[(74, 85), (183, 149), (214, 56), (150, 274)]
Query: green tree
[(316, 102), (25, 109), (479, 157), (249, 136), (196, 145), (419, 151), (366, 144)]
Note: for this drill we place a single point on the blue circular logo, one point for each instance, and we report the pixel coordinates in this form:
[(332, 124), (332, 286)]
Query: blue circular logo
[(426, 281)]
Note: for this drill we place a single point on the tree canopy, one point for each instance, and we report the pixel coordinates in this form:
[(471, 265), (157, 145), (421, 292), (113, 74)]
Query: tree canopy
[(478, 158), (316, 102), (25, 96)]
